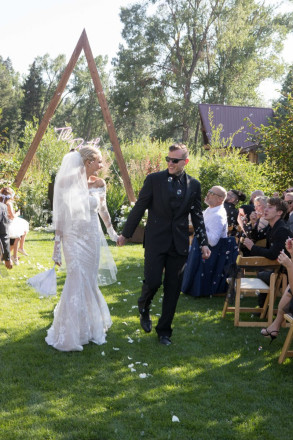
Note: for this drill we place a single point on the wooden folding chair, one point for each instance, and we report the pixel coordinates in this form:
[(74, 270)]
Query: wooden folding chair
[(285, 350), (249, 286)]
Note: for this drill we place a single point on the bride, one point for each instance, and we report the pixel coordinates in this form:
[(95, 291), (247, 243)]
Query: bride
[(82, 315)]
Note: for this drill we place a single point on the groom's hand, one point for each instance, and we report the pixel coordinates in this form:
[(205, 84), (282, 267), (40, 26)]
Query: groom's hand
[(205, 252), (121, 240), (8, 264)]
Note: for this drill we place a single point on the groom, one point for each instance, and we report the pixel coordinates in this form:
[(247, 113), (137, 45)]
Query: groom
[(169, 196)]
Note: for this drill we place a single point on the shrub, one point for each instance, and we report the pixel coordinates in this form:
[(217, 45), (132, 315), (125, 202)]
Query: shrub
[(224, 165)]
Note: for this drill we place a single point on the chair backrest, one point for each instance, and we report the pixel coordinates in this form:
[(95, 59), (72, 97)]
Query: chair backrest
[(256, 262)]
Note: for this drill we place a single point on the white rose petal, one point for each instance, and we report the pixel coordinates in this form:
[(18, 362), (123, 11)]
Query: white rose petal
[(116, 349), (142, 375), (130, 365), (130, 340), (175, 419), (132, 370), (103, 353)]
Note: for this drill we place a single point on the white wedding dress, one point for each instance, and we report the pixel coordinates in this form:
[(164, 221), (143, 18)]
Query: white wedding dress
[(82, 315)]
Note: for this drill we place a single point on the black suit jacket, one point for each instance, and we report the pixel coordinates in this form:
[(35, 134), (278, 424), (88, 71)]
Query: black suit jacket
[(4, 238), (275, 240), (163, 226)]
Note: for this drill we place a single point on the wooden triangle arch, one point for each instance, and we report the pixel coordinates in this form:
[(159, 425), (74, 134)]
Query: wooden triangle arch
[(83, 43)]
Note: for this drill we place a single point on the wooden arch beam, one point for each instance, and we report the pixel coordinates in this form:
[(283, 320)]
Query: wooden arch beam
[(83, 43)]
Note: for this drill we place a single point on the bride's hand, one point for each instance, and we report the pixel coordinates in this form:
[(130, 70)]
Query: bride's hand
[(121, 241)]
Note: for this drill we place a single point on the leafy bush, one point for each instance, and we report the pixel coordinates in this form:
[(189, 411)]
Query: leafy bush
[(224, 165), (276, 140), (34, 203)]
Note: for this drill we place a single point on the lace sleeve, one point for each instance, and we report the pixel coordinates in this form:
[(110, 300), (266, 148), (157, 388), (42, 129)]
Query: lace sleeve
[(105, 216), (56, 257)]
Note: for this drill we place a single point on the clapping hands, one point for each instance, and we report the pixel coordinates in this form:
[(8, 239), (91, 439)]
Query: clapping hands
[(289, 245)]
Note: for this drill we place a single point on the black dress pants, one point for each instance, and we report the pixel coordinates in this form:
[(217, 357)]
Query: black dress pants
[(154, 266)]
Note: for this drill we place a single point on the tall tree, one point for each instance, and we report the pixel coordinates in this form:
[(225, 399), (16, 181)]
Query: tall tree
[(10, 95), (33, 90), (182, 52), (80, 107)]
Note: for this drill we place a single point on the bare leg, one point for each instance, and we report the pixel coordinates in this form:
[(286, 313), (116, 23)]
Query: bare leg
[(15, 247), (22, 240), (284, 301)]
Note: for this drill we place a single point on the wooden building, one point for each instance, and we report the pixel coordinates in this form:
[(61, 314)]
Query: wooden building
[(232, 119)]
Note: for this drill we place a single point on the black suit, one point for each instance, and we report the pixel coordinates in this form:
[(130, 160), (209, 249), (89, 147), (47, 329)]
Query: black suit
[(4, 238), (166, 238), (276, 237)]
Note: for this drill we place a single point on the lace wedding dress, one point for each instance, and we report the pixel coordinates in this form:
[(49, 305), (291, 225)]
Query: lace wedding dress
[(82, 315)]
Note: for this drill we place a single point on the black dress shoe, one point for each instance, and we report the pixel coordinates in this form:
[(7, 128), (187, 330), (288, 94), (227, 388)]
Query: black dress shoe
[(165, 340), (146, 322)]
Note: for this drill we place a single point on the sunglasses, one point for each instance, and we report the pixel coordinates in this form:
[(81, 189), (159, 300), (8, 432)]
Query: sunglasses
[(214, 194), (170, 159)]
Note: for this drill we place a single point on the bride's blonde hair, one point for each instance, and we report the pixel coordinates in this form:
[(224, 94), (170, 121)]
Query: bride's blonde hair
[(89, 153)]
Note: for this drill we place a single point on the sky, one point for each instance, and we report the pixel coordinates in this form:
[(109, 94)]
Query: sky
[(31, 28)]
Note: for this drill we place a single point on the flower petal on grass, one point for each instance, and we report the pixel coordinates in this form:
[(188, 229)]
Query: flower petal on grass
[(175, 419)]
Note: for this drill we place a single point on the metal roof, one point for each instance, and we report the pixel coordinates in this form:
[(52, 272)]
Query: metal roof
[(232, 119)]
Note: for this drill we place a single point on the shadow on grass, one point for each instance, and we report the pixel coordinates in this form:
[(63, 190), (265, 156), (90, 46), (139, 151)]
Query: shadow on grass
[(213, 377)]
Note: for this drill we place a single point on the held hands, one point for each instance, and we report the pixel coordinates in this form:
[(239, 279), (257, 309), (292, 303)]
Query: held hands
[(121, 240), (205, 252)]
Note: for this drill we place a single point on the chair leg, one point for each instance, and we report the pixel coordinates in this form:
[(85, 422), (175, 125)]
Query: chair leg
[(224, 311), (271, 296), (286, 345), (237, 302)]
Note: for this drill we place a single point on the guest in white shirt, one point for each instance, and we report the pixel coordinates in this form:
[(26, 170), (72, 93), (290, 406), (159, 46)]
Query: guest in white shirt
[(215, 216)]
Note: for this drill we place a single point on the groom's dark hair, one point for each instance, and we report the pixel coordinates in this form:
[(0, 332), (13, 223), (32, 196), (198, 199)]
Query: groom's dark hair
[(181, 147)]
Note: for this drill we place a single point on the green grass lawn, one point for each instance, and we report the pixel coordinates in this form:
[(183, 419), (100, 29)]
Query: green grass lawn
[(215, 378)]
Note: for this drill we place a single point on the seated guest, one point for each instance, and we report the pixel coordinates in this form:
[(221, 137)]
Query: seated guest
[(208, 278), (275, 233), (243, 219), (254, 194), (215, 216), (286, 302), (289, 217), (233, 197), (4, 237), (244, 216), (257, 219)]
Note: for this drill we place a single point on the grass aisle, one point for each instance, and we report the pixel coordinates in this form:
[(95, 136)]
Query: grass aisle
[(213, 377)]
